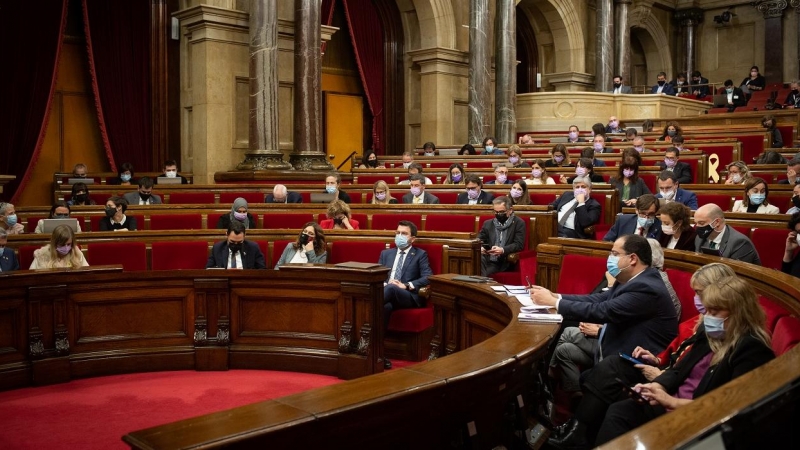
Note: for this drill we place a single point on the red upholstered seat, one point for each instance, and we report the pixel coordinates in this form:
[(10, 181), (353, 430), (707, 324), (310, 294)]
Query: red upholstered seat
[(773, 310), (783, 200), (132, 255), (723, 201), (176, 222), (344, 251), (447, 198), (25, 256), (601, 198), (683, 288), (449, 222), (306, 197), (32, 222), (770, 244), (580, 274), (201, 198), (371, 179), (415, 320), (541, 198), (289, 220), (170, 255), (226, 198), (649, 180), (389, 221), (786, 334)]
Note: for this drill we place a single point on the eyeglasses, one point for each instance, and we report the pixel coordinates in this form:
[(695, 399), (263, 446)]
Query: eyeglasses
[(646, 215), (614, 253)]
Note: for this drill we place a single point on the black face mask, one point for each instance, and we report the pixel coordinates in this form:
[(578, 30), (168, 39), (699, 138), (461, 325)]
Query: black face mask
[(110, 212), (796, 201), (80, 198), (372, 163), (616, 85), (237, 247), (144, 197), (795, 91), (705, 231), (338, 221), (304, 238), (501, 217), (661, 83)]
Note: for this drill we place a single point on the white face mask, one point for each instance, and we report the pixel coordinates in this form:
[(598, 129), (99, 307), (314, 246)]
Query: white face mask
[(171, 173), (667, 229), (405, 165), (668, 195)]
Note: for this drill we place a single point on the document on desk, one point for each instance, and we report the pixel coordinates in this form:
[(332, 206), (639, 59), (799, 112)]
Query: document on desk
[(534, 308), (539, 318), (516, 290)]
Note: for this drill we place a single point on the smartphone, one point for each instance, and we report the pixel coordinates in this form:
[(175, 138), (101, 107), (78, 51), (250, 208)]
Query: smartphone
[(630, 358), (487, 247), (635, 395)]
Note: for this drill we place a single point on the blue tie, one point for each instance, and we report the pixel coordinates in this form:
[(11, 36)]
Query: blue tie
[(399, 269)]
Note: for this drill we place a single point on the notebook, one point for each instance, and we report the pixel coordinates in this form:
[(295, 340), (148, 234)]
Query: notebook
[(51, 224)]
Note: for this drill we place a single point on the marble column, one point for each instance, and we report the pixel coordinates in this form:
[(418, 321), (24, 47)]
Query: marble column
[(480, 101), (308, 153), (505, 93), (796, 5), (604, 58), (264, 151), (773, 37), (689, 18), (623, 41)]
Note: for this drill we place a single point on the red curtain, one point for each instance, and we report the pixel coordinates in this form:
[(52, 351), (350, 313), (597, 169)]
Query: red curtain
[(366, 33), (31, 32), (118, 41)]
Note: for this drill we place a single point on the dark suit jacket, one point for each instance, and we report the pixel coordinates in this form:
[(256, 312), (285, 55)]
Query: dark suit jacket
[(734, 245), (668, 90), (585, 216), (252, 258), (291, 197), (688, 198), (133, 198), (427, 198), (514, 239), (183, 179), (637, 189), (683, 89), (483, 199), (416, 269), (8, 260), (225, 221), (622, 90), (739, 98), (130, 224), (786, 181), (685, 242), (639, 312), (627, 224), (681, 170), (702, 91), (508, 181)]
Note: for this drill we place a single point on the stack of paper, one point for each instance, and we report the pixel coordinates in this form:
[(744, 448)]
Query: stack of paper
[(534, 309), (539, 318)]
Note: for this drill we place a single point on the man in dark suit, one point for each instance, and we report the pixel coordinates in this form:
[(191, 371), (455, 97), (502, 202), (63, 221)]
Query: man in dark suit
[(662, 87), (235, 252), (500, 237), (644, 223), (577, 210), (714, 234), (281, 195), (672, 163), (670, 190), (792, 172), (144, 196), (734, 96), (409, 273), (417, 193), (614, 125), (636, 311), (474, 195), (620, 88), (699, 85), (171, 171), (679, 84), (8, 260), (500, 175)]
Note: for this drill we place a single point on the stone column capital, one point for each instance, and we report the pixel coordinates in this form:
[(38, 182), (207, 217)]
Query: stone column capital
[(434, 55), (623, 2), (796, 5), (689, 17), (770, 8), (213, 17)]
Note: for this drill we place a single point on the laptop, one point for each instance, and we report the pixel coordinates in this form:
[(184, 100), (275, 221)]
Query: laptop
[(80, 180), (720, 100), (51, 224), (168, 180), (322, 197)]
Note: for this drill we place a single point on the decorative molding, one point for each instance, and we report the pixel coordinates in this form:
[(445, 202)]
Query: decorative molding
[(771, 9), (223, 333), (435, 344), (346, 338), (200, 332), (310, 162), (364, 340), (36, 347), (62, 342), (689, 17)]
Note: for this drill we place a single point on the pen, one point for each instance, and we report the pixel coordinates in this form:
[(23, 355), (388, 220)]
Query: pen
[(529, 282)]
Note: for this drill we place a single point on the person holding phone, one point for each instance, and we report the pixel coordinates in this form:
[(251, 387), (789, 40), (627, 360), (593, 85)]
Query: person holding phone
[(501, 236), (309, 247)]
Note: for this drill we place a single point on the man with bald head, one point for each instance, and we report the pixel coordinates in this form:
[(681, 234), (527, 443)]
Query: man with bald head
[(281, 195), (714, 234)]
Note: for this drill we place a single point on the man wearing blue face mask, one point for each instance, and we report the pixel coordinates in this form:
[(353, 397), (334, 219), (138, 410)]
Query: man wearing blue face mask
[(735, 97), (8, 219), (409, 273), (644, 223), (490, 148)]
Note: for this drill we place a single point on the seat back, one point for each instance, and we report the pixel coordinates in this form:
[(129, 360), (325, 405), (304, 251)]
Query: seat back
[(722, 200), (25, 256), (227, 198), (786, 334), (541, 198), (435, 258), (170, 255), (389, 221), (132, 255), (449, 222), (773, 311), (681, 282), (202, 198), (770, 244), (591, 269), (176, 222), (447, 198), (344, 251), (289, 220)]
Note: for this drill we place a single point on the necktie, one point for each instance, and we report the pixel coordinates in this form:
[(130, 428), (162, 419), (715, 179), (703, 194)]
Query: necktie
[(233, 260), (640, 232), (566, 215), (712, 245), (398, 270), (418, 200)]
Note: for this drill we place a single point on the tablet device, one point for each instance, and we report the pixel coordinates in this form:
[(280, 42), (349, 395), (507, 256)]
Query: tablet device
[(711, 251), (50, 224), (168, 180), (720, 100)]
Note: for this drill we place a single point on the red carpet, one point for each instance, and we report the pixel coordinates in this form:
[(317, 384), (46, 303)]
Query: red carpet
[(95, 413)]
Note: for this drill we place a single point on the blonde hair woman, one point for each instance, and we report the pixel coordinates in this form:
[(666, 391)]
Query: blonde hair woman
[(381, 194), (738, 173), (61, 252)]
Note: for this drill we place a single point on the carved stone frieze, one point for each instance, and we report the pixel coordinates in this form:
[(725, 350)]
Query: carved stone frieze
[(689, 17), (364, 340), (310, 162), (345, 338), (265, 161)]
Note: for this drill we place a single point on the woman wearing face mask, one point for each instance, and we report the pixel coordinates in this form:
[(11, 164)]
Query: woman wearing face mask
[(115, 219), (125, 175), (309, 247), (756, 198), (584, 168), (791, 257), (676, 230), (490, 148), (795, 200), (559, 157), (8, 219), (628, 183), (59, 210), (738, 173), (672, 130), (515, 158), (339, 217), (519, 193), (238, 212), (370, 161), (381, 194), (756, 81), (61, 252), (574, 136), (455, 175), (80, 196), (539, 173), (769, 123)]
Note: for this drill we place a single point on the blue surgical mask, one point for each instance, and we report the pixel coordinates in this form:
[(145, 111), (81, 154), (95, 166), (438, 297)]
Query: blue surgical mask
[(612, 265), (400, 241), (699, 304), (125, 177), (757, 199), (11, 220), (715, 327), (645, 222), (330, 189), (489, 148)]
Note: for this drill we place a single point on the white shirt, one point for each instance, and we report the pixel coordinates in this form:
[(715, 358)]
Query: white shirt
[(396, 260), (238, 259), (672, 242), (660, 88), (299, 257), (570, 223)]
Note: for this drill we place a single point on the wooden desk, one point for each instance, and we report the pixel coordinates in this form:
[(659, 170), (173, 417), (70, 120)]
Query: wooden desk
[(4, 180)]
